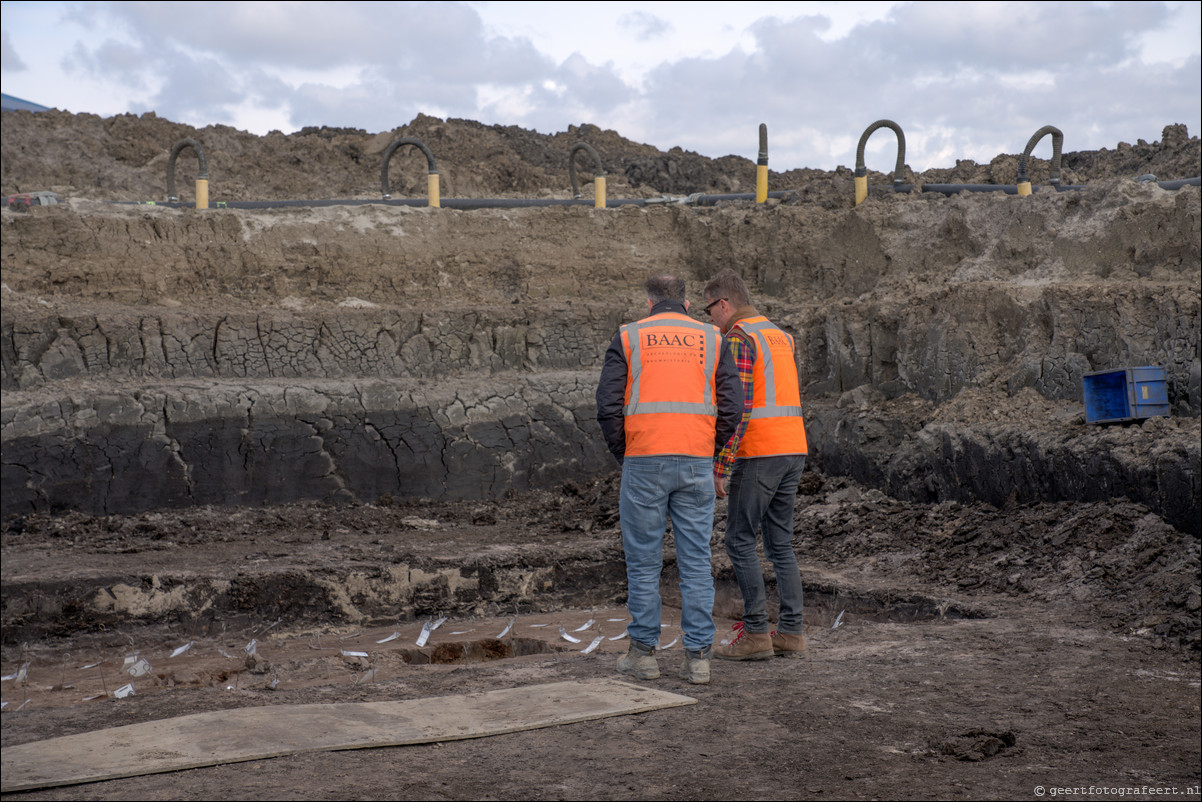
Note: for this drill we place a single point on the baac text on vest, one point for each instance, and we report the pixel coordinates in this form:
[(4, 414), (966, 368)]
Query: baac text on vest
[(670, 405)]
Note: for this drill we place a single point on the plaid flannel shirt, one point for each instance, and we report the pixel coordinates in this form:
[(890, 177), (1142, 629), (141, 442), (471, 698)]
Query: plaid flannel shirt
[(743, 349)]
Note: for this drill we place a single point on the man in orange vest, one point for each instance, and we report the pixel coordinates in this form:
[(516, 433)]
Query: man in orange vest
[(668, 399), (763, 460)]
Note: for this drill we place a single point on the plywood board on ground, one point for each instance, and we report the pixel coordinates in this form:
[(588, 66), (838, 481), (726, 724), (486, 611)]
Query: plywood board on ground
[(254, 733)]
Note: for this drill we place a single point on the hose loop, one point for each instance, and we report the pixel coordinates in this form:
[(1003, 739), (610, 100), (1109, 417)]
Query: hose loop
[(175, 151), (899, 168), (591, 151), (1057, 144), (391, 149)]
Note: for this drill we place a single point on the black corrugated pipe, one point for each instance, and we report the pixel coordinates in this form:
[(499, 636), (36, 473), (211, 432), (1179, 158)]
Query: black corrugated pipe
[(432, 178), (1009, 189), (202, 177), (598, 178), (710, 200), (1024, 186), (1181, 182), (697, 199), (953, 189), (861, 177)]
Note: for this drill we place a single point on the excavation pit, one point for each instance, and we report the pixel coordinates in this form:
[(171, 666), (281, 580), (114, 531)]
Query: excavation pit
[(826, 607), (270, 658), (477, 651)]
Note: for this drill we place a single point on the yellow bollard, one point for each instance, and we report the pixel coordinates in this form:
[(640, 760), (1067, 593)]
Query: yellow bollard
[(202, 193), (861, 188), (1024, 188), (432, 190), (761, 183), (599, 192)]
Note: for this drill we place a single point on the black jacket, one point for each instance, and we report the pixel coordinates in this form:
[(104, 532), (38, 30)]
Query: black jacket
[(611, 391)]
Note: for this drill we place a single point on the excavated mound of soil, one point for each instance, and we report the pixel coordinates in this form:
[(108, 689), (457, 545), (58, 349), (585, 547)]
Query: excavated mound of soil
[(124, 158), (284, 436)]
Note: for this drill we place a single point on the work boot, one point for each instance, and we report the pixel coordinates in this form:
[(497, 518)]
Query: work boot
[(696, 666), (639, 662), (786, 644), (746, 646)]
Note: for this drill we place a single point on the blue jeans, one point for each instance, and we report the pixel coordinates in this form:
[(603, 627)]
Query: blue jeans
[(652, 489), (763, 491)]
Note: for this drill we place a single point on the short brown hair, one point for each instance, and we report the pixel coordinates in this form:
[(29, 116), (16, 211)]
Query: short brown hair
[(727, 284)]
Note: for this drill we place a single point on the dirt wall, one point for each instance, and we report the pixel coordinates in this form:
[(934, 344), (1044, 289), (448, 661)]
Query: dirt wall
[(161, 357)]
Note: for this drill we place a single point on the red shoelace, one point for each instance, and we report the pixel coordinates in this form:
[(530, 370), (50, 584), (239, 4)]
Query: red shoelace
[(738, 627)]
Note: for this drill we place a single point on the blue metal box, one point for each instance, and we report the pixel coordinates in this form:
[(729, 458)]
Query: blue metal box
[(1125, 394)]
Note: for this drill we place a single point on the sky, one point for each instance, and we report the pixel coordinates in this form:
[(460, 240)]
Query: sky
[(963, 80)]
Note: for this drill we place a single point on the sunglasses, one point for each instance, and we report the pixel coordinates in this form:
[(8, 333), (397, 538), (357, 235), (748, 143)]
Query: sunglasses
[(712, 304)]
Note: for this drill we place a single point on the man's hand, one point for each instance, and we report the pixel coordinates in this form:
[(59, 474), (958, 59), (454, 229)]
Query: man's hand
[(719, 487)]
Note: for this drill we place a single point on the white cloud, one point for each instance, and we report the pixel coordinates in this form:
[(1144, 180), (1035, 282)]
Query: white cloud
[(960, 79), (645, 27), (9, 60)]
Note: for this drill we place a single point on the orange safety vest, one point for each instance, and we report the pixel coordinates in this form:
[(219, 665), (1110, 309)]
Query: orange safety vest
[(670, 405), (776, 426)]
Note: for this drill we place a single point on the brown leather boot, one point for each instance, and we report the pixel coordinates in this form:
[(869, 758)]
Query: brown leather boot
[(746, 646), (785, 644)]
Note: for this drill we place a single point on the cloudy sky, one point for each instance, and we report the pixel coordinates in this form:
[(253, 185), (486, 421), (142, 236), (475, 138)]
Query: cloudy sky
[(964, 80)]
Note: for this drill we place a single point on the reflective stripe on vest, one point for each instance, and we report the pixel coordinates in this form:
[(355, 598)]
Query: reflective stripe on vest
[(776, 424), (670, 406)]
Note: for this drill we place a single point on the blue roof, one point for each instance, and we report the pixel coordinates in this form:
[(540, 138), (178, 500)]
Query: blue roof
[(11, 103)]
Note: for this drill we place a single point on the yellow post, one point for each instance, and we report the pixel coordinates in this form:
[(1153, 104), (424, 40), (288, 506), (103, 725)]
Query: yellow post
[(1024, 188), (861, 188), (432, 190), (599, 192), (202, 193), (761, 183)]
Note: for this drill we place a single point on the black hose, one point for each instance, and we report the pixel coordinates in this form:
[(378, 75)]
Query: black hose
[(203, 175), (468, 203), (587, 148), (451, 203), (1057, 143), (417, 143), (899, 168), (697, 199), (953, 189), (710, 200), (1009, 189), (1181, 182)]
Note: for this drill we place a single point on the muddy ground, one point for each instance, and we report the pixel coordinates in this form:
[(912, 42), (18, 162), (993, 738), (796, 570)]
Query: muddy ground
[(980, 652), (314, 429)]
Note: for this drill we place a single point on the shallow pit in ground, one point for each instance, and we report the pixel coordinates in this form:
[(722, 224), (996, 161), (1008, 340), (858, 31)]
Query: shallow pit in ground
[(828, 605), (269, 657)]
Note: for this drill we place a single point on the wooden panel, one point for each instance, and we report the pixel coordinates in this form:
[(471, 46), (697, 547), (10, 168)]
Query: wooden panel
[(254, 733)]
